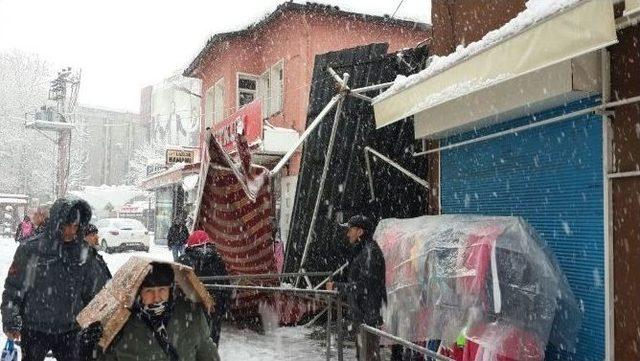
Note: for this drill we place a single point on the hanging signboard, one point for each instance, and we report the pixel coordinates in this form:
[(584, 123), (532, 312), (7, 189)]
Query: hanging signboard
[(180, 156), (247, 120)]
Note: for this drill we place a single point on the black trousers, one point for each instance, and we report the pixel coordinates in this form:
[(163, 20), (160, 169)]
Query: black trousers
[(35, 345)]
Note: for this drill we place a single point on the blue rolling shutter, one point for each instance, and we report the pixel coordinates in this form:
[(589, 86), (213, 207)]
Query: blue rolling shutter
[(551, 176)]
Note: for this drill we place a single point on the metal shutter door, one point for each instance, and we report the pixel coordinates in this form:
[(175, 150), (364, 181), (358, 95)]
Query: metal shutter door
[(552, 176)]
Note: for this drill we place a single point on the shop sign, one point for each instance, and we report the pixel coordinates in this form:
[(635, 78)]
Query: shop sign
[(180, 156), (247, 120)]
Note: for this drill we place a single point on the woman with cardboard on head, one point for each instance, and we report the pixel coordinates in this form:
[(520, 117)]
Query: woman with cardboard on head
[(162, 319)]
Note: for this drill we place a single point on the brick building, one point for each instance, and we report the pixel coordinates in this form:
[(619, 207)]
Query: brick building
[(272, 62)]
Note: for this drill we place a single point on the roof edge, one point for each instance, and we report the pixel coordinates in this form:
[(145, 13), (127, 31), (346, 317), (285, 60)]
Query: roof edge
[(292, 6)]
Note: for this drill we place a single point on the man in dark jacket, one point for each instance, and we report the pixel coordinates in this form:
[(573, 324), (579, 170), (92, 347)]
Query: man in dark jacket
[(365, 288), (92, 238), (202, 256), (52, 278), (177, 237)]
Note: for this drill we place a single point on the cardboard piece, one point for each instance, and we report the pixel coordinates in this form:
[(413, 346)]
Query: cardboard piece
[(112, 305)]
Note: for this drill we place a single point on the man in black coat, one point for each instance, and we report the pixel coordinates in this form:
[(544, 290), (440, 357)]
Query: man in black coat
[(365, 288), (202, 256), (52, 278), (176, 238), (92, 238)]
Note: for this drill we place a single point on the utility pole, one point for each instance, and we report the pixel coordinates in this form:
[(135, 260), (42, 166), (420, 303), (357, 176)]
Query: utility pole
[(63, 91)]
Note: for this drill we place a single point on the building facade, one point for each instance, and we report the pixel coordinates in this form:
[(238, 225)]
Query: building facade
[(109, 139), (171, 111), (272, 62), (553, 139)]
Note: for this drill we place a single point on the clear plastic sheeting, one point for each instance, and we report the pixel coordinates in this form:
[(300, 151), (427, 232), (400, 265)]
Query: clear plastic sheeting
[(489, 280)]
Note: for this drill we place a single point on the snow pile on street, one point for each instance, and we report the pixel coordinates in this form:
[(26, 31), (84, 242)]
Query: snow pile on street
[(535, 12), (281, 344), (99, 197)]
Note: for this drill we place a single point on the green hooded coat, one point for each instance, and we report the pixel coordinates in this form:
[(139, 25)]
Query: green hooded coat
[(187, 329)]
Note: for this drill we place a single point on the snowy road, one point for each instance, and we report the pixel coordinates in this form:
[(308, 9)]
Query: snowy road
[(288, 344)]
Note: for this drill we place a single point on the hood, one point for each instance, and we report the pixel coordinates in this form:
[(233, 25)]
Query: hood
[(62, 209)]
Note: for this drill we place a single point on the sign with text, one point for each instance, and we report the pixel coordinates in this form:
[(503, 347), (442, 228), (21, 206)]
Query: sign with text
[(180, 156), (247, 120)]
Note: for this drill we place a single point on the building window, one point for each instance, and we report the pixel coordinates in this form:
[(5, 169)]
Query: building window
[(218, 99), (263, 93), (277, 87), (208, 107), (271, 89), (247, 89)]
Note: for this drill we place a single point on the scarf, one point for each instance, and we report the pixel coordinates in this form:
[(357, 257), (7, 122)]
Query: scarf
[(156, 317)]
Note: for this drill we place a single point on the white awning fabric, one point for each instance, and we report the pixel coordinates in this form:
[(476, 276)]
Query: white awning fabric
[(631, 7), (583, 28)]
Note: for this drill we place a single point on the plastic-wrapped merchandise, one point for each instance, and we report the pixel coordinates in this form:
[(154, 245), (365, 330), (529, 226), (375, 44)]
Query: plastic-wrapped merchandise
[(489, 279)]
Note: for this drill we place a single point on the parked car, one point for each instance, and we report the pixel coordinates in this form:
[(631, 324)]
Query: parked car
[(121, 234)]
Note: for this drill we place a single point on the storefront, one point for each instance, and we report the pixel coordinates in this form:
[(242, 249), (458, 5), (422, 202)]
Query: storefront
[(175, 192), (525, 136)]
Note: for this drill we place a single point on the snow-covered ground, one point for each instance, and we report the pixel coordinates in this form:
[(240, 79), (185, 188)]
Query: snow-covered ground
[(288, 344)]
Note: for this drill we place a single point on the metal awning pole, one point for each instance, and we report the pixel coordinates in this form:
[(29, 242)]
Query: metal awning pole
[(339, 336), (367, 163), (360, 96), (623, 175), (372, 88), (563, 117), (323, 178), (306, 134), (329, 321), (397, 166), (317, 287)]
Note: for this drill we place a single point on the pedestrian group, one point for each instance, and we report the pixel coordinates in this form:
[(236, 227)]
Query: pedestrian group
[(57, 270)]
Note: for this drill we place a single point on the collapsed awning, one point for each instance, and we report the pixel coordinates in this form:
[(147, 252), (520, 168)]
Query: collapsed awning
[(170, 177), (442, 94)]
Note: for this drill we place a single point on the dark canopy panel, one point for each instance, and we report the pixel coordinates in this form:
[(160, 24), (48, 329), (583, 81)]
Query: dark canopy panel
[(346, 191)]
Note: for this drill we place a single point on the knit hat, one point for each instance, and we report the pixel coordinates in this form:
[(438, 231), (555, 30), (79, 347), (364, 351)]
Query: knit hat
[(161, 275), (90, 229), (198, 238)]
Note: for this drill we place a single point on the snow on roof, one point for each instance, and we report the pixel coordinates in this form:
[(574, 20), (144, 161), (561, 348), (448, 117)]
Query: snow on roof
[(134, 207), (99, 197), (535, 12)]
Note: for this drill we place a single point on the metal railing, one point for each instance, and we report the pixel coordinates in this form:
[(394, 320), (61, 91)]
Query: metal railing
[(330, 297), (405, 343)]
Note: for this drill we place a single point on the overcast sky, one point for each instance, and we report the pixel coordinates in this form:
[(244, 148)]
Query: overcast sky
[(123, 45)]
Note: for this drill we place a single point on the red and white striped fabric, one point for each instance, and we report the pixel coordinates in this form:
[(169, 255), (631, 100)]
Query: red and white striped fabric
[(236, 211)]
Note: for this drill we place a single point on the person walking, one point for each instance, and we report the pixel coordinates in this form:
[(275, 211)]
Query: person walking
[(25, 230), (202, 256), (40, 218), (365, 288), (52, 277), (176, 238), (163, 325), (92, 238)]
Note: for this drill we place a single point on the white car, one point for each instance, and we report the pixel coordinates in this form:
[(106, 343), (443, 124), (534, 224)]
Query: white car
[(120, 234)]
